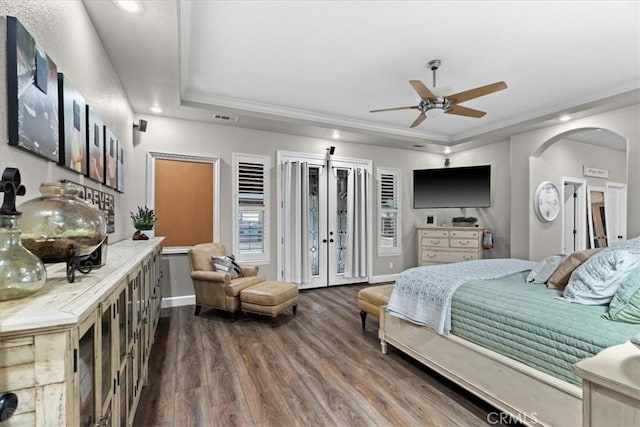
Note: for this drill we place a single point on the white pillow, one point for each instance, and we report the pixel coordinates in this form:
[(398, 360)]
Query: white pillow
[(598, 278), (545, 268)]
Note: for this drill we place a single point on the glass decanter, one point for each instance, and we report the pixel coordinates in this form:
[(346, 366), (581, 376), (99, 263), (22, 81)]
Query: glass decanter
[(21, 272)]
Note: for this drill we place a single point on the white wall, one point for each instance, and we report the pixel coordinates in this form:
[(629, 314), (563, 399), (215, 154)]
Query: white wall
[(524, 223), (566, 158), (213, 140), (66, 33), (496, 217)]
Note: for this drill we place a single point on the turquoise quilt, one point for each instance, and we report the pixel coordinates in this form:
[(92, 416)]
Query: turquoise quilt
[(526, 322)]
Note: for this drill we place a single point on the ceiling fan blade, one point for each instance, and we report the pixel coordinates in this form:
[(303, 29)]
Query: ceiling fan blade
[(477, 92), (419, 120), (422, 90), (459, 110), (415, 107)]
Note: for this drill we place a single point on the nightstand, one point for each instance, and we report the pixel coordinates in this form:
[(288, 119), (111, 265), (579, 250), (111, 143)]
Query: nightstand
[(611, 387)]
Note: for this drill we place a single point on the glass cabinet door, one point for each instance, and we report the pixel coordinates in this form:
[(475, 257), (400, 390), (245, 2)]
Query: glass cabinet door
[(86, 370)]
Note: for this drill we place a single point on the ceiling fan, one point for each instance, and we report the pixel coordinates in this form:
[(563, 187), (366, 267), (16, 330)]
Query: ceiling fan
[(437, 105)]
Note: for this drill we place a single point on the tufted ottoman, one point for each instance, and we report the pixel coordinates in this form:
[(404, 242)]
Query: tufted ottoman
[(269, 298), (371, 299)]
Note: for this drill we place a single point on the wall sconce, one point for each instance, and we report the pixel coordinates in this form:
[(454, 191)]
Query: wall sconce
[(331, 150)]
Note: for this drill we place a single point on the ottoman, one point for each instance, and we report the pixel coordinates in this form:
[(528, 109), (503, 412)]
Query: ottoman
[(371, 299), (269, 298)]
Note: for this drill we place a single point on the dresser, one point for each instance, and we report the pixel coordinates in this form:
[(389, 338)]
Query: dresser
[(441, 245), (76, 354), (611, 387)]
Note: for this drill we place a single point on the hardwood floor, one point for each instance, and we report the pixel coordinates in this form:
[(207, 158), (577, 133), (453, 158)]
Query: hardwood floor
[(317, 368)]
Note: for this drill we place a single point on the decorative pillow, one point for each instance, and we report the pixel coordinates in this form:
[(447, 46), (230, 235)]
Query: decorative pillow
[(560, 277), (227, 264), (597, 279), (625, 304), (545, 268)]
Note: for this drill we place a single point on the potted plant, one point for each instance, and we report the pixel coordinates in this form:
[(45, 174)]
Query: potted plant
[(464, 221), (144, 219)]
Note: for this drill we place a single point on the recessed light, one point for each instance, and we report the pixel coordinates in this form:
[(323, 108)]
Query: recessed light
[(156, 109), (131, 6), (335, 134), (447, 150), (565, 118)]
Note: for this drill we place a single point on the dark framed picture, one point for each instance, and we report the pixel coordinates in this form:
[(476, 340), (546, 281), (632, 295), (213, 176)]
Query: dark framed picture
[(32, 94), (111, 159), (73, 123), (120, 159), (95, 146)]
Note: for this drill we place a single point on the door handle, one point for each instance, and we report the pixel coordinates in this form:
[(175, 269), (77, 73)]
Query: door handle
[(330, 240), (324, 240)]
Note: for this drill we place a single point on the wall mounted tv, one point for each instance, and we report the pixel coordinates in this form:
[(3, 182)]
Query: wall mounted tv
[(461, 187)]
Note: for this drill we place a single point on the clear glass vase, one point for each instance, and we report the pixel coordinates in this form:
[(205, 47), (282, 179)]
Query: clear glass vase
[(59, 226), (21, 272)]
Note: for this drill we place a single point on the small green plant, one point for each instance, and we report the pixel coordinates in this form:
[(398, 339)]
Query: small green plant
[(471, 219), (144, 218)]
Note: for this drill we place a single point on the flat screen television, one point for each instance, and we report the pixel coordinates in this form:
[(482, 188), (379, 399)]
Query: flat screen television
[(460, 187)]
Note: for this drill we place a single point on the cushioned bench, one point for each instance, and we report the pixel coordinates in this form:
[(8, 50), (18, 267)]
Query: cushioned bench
[(269, 298), (371, 299)]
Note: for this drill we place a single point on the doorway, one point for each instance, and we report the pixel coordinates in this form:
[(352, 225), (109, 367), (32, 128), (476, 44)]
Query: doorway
[(323, 219), (574, 230)]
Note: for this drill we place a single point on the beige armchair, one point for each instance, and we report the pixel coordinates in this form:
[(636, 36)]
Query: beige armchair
[(214, 288)]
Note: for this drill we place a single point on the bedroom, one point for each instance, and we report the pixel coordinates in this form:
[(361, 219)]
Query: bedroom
[(95, 73)]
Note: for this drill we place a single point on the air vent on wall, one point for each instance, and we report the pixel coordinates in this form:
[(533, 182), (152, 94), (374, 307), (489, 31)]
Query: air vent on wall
[(225, 118)]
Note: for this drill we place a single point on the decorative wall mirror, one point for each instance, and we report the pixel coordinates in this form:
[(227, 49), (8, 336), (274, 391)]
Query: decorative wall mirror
[(596, 202)]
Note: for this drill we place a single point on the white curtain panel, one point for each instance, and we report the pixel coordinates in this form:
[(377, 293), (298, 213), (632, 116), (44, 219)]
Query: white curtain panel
[(356, 262), (295, 191)]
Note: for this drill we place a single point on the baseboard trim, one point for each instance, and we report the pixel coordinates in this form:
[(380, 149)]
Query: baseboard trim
[(384, 278), (178, 301)]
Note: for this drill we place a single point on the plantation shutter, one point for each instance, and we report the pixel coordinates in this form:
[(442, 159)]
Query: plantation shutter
[(389, 212), (251, 219)]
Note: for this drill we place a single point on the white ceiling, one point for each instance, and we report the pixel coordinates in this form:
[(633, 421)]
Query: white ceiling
[(309, 67)]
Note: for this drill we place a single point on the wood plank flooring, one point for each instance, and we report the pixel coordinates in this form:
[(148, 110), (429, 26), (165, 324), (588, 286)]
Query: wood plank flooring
[(317, 368)]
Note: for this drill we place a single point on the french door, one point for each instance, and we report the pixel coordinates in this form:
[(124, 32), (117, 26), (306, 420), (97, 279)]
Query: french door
[(323, 220)]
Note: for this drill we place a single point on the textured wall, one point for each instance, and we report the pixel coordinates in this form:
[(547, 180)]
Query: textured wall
[(66, 33)]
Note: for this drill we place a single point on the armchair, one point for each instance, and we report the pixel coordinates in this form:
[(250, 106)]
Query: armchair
[(217, 289)]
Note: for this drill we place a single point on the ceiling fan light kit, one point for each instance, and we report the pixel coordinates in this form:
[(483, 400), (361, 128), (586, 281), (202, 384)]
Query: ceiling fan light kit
[(432, 105)]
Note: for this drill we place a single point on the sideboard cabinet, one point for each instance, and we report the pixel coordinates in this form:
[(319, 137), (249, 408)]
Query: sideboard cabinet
[(77, 353)]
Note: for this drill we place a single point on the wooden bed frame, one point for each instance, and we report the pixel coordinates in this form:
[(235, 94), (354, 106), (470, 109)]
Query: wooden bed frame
[(526, 394)]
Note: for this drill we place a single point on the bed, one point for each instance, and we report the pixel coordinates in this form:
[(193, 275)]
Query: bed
[(513, 344)]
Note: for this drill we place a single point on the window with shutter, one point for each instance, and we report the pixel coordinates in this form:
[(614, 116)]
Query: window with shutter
[(389, 212), (251, 208)]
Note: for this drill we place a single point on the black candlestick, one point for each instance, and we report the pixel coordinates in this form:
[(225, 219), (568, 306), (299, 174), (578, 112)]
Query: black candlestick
[(10, 186)]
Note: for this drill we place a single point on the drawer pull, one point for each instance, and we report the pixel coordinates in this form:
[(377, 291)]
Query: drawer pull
[(467, 257), (464, 242), (435, 242), (8, 405), (431, 256)]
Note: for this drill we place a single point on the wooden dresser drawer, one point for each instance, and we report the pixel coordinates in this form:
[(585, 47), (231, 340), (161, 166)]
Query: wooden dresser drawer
[(441, 242), (464, 243), (465, 234), (435, 233), (446, 257)]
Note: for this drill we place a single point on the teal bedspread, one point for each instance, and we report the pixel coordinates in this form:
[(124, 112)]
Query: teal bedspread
[(525, 322)]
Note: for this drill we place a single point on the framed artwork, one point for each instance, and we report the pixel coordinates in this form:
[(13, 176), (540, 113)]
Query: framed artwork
[(110, 157), (100, 199), (120, 168), (95, 146), (32, 94), (430, 219), (73, 123)]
